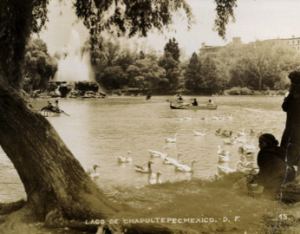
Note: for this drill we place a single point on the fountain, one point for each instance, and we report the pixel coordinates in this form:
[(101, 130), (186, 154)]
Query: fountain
[(74, 70), (74, 66)]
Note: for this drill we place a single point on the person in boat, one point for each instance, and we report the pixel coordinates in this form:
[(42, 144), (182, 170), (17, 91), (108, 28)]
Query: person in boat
[(194, 103), (48, 107), (56, 107), (179, 97), (148, 97), (274, 171), (210, 103)]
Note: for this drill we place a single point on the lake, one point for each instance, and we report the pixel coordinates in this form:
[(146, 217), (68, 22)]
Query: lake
[(99, 130)]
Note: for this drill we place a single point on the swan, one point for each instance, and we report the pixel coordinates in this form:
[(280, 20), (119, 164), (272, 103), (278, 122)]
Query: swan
[(247, 164), (157, 154), (155, 178), (196, 133), (172, 161), (229, 117), (249, 155), (93, 172), (171, 140), (125, 160), (225, 158), (231, 141), (180, 119), (221, 151), (144, 169), (222, 170), (251, 147), (215, 118), (187, 118), (241, 140), (242, 133), (185, 168)]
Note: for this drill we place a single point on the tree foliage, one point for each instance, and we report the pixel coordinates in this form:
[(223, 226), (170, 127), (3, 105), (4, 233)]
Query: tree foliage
[(39, 66), (172, 48)]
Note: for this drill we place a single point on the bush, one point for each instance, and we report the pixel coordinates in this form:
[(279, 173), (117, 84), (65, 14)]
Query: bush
[(281, 92), (256, 92), (238, 91)]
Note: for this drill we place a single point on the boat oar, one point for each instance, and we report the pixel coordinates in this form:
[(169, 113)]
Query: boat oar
[(64, 113)]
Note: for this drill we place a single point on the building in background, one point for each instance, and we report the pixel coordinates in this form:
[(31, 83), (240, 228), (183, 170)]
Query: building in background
[(213, 50), (293, 42)]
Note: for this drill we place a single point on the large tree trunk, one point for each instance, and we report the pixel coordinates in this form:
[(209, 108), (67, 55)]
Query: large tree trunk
[(53, 179)]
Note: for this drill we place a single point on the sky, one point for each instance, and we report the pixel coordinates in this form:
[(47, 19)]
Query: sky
[(255, 19)]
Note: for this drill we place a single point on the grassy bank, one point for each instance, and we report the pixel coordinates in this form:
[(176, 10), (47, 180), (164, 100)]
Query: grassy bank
[(232, 211), (200, 206)]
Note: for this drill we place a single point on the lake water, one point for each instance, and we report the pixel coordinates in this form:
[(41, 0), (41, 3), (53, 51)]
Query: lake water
[(99, 130)]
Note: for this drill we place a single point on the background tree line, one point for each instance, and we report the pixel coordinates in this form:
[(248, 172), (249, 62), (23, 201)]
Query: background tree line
[(259, 65)]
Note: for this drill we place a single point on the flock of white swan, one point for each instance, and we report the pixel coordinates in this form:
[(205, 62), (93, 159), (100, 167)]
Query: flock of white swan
[(246, 151)]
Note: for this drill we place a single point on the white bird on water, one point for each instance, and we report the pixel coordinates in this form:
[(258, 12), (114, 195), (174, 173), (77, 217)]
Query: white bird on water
[(155, 178), (172, 161), (93, 173), (157, 154), (222, 158), (171, 140), (197, 133), (125, 160), (185, 168)]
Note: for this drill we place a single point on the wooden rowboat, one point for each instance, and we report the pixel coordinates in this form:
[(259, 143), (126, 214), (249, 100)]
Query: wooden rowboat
[(49, 113), (188, 107)]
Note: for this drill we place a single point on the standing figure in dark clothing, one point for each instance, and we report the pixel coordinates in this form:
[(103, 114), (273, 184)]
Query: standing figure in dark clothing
[(274, 171), (291, 136)]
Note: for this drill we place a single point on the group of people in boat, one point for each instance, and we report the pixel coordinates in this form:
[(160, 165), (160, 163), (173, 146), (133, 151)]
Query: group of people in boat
[(54, 108), (194, 101)]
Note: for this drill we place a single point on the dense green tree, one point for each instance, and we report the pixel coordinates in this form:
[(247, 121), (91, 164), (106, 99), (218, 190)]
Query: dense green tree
[(59, 191), (154, 77), (172, 48), (112, 77), (39, 66), (172, 69), (192, 74)]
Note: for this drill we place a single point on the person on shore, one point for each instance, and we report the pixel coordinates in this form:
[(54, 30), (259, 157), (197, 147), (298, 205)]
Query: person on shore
[(291, 136), (274, 170)]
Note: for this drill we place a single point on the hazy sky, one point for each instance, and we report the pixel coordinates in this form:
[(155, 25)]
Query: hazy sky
[(255, 19)]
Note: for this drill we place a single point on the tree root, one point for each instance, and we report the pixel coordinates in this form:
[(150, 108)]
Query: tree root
[(6, 208)]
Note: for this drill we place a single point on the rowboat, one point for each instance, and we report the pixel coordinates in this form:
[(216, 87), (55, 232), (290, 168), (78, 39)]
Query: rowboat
[(49, 113), (190, 107)]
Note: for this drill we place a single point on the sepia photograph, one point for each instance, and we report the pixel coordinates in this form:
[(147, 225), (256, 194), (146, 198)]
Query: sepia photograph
[(149, 117)]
